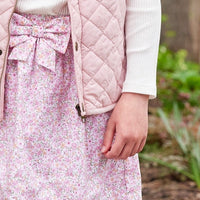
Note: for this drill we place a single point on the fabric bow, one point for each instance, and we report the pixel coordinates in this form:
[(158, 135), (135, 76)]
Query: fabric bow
[(39, 41)]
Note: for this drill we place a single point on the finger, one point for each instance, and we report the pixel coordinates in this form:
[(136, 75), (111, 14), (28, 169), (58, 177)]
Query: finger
[(126, 151), (141, 145), (135, 148), (108, 136), (116, 148)]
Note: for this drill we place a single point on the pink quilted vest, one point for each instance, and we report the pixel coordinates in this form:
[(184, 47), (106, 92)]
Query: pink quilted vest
[(98, 46)]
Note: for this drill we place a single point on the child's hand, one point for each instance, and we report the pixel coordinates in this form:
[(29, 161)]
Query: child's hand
[(129, 121)]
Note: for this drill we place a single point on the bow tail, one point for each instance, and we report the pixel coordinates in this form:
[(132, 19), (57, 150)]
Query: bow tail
[(24, 54), (45, 55), (22, 51)]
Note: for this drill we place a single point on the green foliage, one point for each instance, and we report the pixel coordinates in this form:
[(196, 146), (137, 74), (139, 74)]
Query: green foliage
[(178, 78), (188, 144), (170, 34), (178, 88), (164, 18)]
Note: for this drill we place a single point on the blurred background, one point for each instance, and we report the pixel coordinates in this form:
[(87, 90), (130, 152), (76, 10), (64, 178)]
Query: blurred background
[(170, 161)]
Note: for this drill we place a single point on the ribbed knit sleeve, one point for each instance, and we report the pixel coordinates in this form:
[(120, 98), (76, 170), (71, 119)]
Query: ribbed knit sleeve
[(46, 7), (142, 32)]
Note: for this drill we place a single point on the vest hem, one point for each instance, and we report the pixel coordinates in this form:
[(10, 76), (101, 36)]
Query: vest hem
[(100, 110)]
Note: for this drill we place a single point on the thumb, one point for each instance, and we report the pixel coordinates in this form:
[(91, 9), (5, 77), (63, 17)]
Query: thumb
[(108, 136)]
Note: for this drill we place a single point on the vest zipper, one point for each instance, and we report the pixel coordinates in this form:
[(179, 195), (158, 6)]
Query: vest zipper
[(76, 48), (83, 118)]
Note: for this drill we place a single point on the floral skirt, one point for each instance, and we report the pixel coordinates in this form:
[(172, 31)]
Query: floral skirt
[(46, 151)]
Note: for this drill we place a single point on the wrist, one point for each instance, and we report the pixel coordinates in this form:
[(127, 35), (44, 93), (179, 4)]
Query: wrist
[(135, 100), (135, 96)]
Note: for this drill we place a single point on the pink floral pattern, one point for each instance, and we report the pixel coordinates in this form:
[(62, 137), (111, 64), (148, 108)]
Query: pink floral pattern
[(46, 152)]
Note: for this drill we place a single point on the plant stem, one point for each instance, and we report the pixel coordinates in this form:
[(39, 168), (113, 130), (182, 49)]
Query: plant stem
[(165, 164)]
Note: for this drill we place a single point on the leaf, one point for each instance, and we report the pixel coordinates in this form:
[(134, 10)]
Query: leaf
[(165, 121)]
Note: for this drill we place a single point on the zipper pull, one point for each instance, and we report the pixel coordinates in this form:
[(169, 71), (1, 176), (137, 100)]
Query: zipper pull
[(83, 118)]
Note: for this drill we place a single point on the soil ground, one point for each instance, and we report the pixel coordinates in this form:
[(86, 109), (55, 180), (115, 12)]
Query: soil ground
[(157, 185)]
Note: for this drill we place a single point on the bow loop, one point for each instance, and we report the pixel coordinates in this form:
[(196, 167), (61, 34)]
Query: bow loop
[(22, 50), (43, 40)]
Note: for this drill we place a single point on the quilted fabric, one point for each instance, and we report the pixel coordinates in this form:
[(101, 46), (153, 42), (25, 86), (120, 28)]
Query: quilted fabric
[(101, 66), (97, 29), (6, 9)]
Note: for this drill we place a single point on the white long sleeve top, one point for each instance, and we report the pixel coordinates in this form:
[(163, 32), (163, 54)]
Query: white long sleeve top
[(142, 34)]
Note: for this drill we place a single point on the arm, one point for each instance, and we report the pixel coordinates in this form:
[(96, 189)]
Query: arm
[(129, 119), (142, 32)]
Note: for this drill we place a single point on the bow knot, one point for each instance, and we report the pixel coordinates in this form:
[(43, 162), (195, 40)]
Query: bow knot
[(38, 31), (39, 41)]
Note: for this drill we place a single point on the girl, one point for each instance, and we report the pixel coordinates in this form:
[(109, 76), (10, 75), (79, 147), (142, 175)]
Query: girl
[(76, 77)]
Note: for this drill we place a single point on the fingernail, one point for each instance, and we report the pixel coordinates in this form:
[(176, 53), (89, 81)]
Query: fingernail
[(103, 149)]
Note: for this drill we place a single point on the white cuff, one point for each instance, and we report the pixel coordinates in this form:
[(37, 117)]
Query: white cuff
[(140, 89)]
